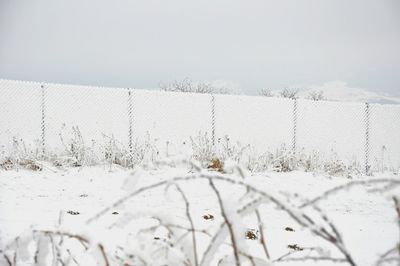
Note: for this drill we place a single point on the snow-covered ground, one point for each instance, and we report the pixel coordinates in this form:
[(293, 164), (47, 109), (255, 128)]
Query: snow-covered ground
[(38, 200)]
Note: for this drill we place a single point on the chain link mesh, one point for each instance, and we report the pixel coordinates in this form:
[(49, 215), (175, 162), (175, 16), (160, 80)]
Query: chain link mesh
[(262, 122), (332, 131), (294, 139), (130, 117), (21, 114), (44, 116), (384, 137), (213, 120)]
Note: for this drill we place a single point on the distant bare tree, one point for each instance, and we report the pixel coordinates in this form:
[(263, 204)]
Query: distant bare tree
[(289, 93), (203, 87), (186, 85), (266, 93), (316, 95)]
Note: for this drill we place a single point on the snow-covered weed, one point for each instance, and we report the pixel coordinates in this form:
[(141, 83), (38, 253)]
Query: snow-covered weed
[(76, 151), (115, 152), (21, 156), (111, 151)]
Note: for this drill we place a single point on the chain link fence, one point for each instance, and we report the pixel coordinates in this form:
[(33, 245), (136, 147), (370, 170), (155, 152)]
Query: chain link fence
[(44, 116)]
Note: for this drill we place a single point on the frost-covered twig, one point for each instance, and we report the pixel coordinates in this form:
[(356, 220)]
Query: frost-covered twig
[(7, 259), (349, 185), (222, 230), (192, 228), (385, 256), (335, 238), (72, 257), (137, 192), (397, 207), (80, 238), (262, 236), (228, 223), (296, 214), (56, 252), (103, 253), (306, 258), (84, 241), (16, 251), (288, 257)]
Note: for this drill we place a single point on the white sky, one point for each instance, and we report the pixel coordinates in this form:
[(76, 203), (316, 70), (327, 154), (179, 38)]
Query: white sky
[(253, 44)]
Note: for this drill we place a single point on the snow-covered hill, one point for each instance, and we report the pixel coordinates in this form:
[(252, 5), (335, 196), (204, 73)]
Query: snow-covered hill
[(340, 91)]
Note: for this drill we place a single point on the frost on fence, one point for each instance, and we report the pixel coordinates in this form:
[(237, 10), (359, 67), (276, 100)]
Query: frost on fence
[(20, 114), (98, 113), (333, 130), (170, 119), (264, 123), (166, 121), (384, 137)]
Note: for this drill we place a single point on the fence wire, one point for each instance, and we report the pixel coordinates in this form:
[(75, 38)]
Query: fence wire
[(44, 116)]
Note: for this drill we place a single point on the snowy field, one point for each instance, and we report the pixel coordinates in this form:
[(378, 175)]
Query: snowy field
[(60, 211)]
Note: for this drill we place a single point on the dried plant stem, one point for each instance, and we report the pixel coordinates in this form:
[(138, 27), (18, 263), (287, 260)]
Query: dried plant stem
[(384, 257), (262, 236), (246, 209), (81, 239), (228, 223), (287, 257), (7, 260), (72, 257), (56, 252), (192, 228), (303, 259), (103, 253), (348, 185), (16, 251), (397, 206), (335, 238), (294, 212)]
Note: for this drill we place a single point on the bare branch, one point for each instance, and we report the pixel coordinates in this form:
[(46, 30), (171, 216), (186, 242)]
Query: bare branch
[(56, 252), (286, 255), (72, 257), (397, 207), (316, 95), (306, 258), (299, 216), (81, 239), (289, 93), (266, 93), (228, 223), (246, 209), (336, 240), (349, 185), (103, 253), (191, 223), (186, 85), (7, 259), (262, 236)]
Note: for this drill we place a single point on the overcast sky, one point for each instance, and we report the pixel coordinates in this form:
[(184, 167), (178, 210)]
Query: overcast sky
[(250, 44)]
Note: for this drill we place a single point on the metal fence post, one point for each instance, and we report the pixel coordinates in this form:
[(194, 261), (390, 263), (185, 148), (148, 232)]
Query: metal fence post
[(213, 119), (130, 118), (43, 119), (294, 140), (367, 135)]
